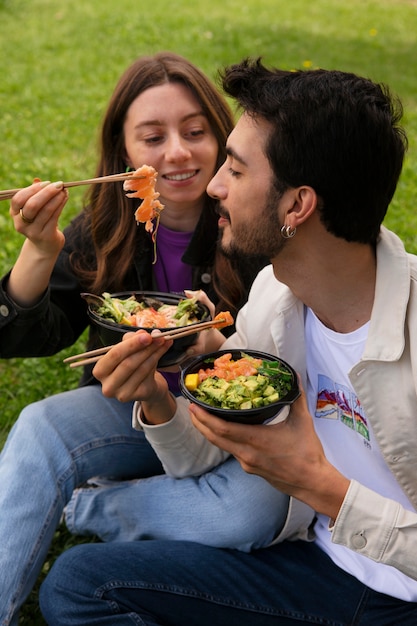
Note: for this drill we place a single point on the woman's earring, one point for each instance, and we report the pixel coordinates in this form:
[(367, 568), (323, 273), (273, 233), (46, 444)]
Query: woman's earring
[(287, 232)]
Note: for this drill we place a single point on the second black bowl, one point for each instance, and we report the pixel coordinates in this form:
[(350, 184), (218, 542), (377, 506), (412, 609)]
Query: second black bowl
[(112, 332), (245, 416)]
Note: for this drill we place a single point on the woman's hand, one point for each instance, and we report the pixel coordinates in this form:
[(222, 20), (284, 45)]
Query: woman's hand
[(208, 340), (35, 211), (128, 372), (202, 297), (289, 455)]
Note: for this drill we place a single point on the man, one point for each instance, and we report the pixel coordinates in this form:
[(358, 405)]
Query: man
[(311, 169)]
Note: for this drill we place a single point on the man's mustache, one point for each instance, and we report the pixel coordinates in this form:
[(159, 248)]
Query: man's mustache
[(221, 211)]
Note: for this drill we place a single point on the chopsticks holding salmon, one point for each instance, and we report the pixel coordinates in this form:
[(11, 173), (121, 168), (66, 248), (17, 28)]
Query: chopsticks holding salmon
[(142, 185), (220, 321), (92, 356), (7, 194), (149, 211)]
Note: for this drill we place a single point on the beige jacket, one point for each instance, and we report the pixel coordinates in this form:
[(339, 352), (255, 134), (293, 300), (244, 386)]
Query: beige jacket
[(385, 381)]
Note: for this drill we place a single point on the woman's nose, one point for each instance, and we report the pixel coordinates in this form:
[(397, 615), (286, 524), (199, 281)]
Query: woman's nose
[(177, 150)]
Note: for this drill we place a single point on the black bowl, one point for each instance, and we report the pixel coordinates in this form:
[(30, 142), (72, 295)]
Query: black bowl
[(112, 332), (243, 416)]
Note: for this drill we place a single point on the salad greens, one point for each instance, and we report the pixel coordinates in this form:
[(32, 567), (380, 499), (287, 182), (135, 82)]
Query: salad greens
[(187, 311), (116, 309), (271, 383), (149, 312)]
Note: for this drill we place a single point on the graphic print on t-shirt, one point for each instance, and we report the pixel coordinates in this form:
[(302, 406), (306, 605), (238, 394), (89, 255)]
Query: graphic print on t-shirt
[(337, 402)]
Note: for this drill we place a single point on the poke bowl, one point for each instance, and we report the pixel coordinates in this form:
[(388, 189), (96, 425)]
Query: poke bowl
[(115, 316), (243, 386)]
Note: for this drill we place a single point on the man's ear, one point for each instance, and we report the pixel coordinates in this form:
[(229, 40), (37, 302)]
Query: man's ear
[(304, 203)]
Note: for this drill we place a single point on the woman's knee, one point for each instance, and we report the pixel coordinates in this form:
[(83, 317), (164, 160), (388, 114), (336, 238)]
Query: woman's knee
[(31, 424), (249, 512)]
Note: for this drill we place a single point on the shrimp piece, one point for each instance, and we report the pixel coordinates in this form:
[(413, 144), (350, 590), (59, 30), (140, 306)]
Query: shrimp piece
[(224, 319), (150, 318), (148, 211), (227, 369), (142, 185)]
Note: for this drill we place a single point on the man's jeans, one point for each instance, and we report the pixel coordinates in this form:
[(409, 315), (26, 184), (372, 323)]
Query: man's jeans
[(160, 583)]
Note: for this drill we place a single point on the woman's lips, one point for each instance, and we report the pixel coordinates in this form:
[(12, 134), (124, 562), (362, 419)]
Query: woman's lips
[(181, 176)]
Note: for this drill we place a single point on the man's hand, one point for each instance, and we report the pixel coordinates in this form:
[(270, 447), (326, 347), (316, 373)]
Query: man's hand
[(289, 455), (128, 372)]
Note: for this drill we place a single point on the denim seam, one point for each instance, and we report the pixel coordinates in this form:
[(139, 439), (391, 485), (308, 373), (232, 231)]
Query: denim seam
[(361, 607), (33, 555), (115, 584), (98, 443)]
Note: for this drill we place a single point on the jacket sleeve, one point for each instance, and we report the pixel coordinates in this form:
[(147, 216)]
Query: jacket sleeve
[(52, 324), (181, 448), (377, 527)]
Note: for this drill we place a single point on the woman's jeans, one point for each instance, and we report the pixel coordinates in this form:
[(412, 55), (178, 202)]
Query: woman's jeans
[(161, 583), (59, 443)]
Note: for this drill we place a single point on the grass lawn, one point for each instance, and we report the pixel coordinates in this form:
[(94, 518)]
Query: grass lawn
[(60, 62)]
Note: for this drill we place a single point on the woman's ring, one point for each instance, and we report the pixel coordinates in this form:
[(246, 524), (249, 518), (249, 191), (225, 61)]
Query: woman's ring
[(25, 219)]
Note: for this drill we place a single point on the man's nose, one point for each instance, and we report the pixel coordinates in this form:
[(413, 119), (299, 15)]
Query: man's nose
[(216, 189)]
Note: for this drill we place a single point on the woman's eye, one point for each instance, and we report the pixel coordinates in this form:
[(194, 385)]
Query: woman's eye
[(154, 139), (196, 133)]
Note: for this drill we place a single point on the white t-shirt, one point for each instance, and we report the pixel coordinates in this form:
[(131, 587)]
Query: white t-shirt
[(349, 444)]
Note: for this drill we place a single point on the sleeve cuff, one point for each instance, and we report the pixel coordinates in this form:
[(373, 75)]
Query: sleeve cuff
[(365, 521)]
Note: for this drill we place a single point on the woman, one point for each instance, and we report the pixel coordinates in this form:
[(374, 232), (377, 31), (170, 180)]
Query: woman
[(185, 148), (164, 112)]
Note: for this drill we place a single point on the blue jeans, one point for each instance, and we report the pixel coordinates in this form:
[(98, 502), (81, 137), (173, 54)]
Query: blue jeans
[(224, 508), (165, 583), (59, 443), (55, 446)]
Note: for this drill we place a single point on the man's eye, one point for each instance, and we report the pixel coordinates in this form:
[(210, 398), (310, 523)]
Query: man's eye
[(233, 172)]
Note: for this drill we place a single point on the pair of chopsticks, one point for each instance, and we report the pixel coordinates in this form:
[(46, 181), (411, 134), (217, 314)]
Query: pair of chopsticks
[(7, 194), (92, 356)]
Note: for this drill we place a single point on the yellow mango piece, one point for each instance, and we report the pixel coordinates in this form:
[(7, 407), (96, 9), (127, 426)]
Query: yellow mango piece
[(191, 382)]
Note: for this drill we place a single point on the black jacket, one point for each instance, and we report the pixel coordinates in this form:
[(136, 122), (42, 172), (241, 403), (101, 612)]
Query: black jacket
[(59, 319)]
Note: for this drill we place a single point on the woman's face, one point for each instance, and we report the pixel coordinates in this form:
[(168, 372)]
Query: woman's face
[(165, 127)]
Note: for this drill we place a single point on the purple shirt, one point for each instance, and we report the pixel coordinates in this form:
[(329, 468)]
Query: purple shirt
[(171, 274)]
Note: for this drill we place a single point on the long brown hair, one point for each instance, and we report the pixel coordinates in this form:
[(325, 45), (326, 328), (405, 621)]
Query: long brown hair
[(108, 215)]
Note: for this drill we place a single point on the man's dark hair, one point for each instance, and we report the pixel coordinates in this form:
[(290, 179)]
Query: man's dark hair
[(334, 131)]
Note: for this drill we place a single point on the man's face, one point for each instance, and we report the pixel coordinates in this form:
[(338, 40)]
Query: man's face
[(248, 204)]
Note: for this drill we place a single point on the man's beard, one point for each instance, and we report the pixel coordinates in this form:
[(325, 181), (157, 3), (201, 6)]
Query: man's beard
[(260, 238)]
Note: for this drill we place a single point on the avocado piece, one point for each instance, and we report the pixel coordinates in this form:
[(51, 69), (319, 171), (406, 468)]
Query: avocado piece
[(215, 393), (240, 390), (213, 383), (274, 397), (233, 401), (257, 402), (252, 383)]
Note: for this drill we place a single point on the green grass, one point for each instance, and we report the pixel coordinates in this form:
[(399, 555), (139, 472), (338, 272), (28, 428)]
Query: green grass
[(59, 63)]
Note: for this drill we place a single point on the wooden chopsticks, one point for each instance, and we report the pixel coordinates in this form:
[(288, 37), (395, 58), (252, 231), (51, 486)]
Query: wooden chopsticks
[(7, 194), (92, 356)]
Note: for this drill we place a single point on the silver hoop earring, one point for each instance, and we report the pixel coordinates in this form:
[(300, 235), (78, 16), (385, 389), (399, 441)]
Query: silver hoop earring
[(287, 232)]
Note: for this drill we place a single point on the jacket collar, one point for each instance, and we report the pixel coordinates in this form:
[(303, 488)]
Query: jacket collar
[(386, 339)]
